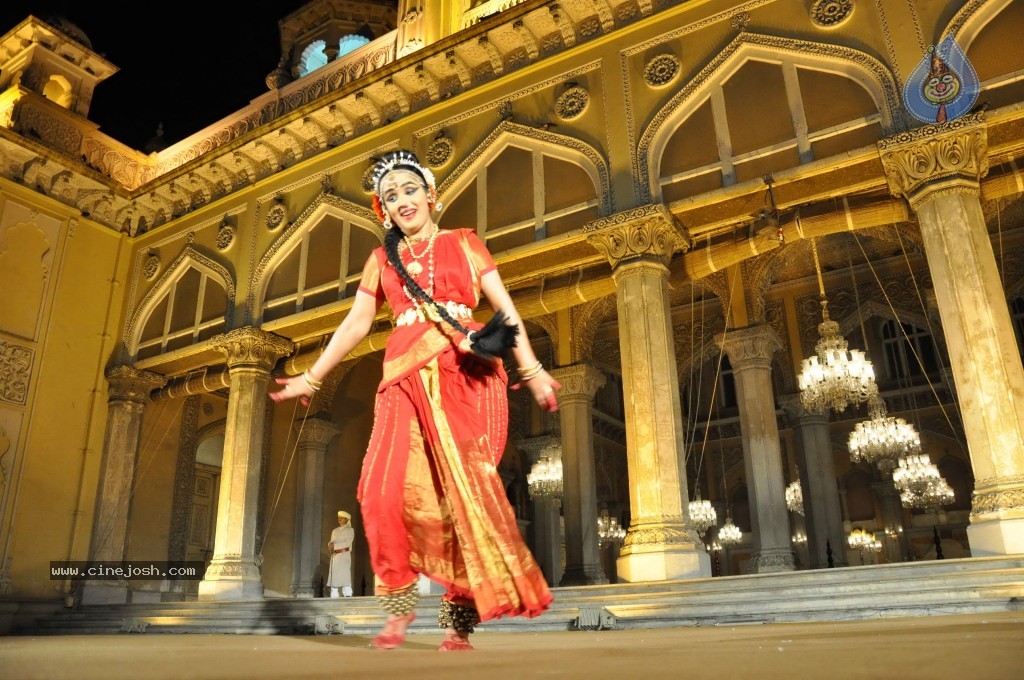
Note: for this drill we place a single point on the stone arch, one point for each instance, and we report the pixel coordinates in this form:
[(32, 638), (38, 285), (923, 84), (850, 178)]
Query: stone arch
[(972, 19), (312, 57), (858, 66), (324, 206), (585, 320), (187, 260), (535, 148), (58, 89)]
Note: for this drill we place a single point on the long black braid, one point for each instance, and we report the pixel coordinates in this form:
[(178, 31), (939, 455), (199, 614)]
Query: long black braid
[(494, 339)]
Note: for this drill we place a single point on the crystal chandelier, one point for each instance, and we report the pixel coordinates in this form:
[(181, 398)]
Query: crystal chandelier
[(702, 514), (609, 529), (795, 497), (835, 376), (920, 484), (729, 533), (883, 440), (545, 479), (864, 540)]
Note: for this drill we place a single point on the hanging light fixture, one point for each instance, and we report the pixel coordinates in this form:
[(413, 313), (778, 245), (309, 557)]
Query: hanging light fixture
[(702, 514), (859, 539), (609, 529), (799, 538), (920, 484), (729, 533), (834, 376), (545, 478), (795, 496), (883, 440)]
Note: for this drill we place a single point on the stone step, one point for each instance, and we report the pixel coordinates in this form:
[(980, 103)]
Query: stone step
[(946, 587)]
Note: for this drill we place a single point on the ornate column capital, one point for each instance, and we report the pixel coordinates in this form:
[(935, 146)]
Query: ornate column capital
[(580, 382), (536, 448), (317, 430), (936, 159), (997, 495), (795, 412), (649, 232), (749, 347), (132, 384), (252, 348)]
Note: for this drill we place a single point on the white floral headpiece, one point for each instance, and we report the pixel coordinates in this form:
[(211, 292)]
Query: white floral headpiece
[(381, 170)]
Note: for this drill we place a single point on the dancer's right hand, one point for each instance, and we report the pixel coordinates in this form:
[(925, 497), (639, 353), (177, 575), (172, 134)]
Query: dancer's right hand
[(295, 386)]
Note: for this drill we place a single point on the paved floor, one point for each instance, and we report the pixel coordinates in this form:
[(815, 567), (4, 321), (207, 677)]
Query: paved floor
[(962, 646)]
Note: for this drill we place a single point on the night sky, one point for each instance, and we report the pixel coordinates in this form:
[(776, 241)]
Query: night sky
[(192, 65)]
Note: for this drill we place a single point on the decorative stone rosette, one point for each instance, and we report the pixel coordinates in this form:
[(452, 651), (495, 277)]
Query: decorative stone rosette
[(225, 236), (276, 216), (440, 152), (572, 103), (662, 70), (151, 267), (831, 13)]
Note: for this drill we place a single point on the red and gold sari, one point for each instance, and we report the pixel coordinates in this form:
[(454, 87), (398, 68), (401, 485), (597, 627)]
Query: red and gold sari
[(431, 498)]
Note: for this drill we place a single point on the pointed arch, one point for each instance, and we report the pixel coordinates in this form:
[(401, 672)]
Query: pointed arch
[(871, 74), (535, 150), (188, 260), (354, 219)]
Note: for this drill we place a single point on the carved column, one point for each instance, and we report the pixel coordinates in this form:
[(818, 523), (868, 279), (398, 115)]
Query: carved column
[(233, 574), (184, 488), (823, 514), (547, 530), (412, 27), (750, 353), (128, 395), (938, 169), (316, 434), (579, 488), (897, 548), (659, 545)]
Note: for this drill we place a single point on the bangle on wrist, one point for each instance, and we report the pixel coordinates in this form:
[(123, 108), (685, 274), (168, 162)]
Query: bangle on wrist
[(531, 372), (314, 385)]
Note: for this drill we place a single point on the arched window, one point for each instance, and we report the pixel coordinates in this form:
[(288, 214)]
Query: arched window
[(350, 43), (726, 390), (313, 57), (58, 90), (907, 349)]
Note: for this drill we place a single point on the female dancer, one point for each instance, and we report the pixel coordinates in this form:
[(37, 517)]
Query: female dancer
[(431, 498)]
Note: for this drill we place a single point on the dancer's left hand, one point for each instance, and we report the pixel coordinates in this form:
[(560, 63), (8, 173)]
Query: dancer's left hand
[(543, 387)]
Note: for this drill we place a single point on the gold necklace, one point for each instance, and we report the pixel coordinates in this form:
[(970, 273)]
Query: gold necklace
[(415, 268)]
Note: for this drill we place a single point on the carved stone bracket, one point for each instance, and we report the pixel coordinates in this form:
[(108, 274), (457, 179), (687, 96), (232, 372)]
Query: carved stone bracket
[(253, 348), (132, 385), (951, 156), (579, 382), (750, 346), (649, 232)]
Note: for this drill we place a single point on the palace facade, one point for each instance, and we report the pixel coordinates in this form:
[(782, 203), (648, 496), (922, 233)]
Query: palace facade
[(670, 189)]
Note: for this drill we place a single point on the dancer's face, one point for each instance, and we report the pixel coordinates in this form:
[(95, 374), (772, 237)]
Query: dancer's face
[(342, 521), (405, 197)]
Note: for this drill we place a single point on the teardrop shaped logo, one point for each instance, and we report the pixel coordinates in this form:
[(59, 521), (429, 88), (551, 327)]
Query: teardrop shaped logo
[(943, 86)]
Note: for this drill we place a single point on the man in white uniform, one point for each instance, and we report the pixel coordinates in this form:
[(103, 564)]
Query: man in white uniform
[(340, 547)]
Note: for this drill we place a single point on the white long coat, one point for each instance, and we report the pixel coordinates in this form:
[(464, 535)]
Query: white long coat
[(340, 573)]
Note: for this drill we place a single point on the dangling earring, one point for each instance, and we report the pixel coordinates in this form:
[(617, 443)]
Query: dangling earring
[(387, 220)]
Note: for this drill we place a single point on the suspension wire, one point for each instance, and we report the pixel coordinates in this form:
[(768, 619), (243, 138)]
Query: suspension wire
[(856, 301), (700, 378), (691, 434), (906, 337), (283, 476), (714, 387), (127, 492)]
